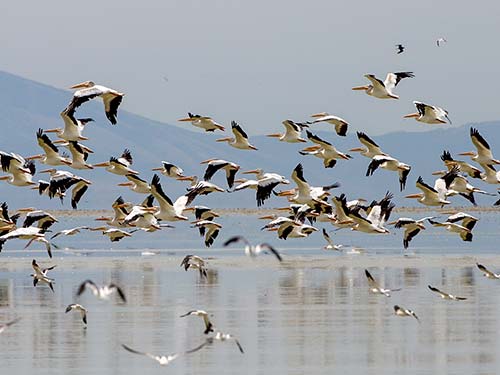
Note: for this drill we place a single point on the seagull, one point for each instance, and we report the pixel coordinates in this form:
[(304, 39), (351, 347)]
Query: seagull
[(376, 288), (331, 245), (293, 132), (4, 326), (240, 139), (89, 90), (400, 48), (102, 292), (204, 315), (446, 295), (400, 311), (203, 122), (170, 170), (253, 251), (80, 308), (340, 125), (383, 90), (219, 336), (429, 114), (441, 41), (195, 262), (41, 275), (487, 273), (212, 230), (161, 359), (69, 232)]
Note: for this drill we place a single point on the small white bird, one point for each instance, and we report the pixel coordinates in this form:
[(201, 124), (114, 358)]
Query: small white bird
[(400, 311), (203, 122), (41, 275), (446, 295), (80, 308), (219, 336), (330, 245), (195, 262), (204, 315), (487, 273), (103, 292), (253, 251), (376, 288), (161, 359), (69, 232)]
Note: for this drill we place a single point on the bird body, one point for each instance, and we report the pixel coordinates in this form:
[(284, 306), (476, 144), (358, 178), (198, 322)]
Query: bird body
[(383, 90)]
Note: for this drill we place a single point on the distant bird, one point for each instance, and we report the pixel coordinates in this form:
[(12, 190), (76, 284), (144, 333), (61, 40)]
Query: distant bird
[(441, 41), (196, 263), (40, 275), (103, 292), (429, 114), (204, 315), (212, 230), (119, 166), (376, 288), (214, 165), (170, 170), (219, 336), (323, 150), (4, 326), (240, 139), (89, 90), (69, 232), (400, 311), (253, 251), (293, 132), (391, 164), (203, 122), (80, 308), (400, 48), (114, 234), (339, 124), (446, 295), (412, 227), (383, 90), (487, 273), (330, 245), (370, 150), (161, 359)]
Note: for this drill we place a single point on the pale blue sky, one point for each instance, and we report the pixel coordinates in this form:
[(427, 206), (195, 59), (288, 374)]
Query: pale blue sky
[(260, 62)]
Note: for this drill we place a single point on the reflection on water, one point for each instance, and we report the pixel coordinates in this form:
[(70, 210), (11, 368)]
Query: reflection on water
[(293, 319)]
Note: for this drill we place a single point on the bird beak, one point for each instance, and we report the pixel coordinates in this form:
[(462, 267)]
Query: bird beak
[(4, 178), (312, 148), (130, 183), (266, 217), (272, 229), (55, 130), (420, 225), (105, 164), (102, 218), (253, 147), (360, 88), (80, 85), (206, 161), (189, 209), (438, 173), (188, 119), (185, 178), (411, 115), (67, 162), (157, 169), (227, 139), (321, 114), (283, 208), (392, 222), (252, 171), (357, 149), (468, 153), (276, 135), (413, 196), (286, 193), (98, 228), (35, 157), (47, 171), (26, 209), (60, 142)]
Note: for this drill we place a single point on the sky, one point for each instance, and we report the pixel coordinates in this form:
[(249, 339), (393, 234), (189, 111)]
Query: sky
[(261, 62)]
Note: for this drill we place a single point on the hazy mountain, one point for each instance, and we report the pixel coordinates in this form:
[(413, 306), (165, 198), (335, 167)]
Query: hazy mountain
[(27, 105)]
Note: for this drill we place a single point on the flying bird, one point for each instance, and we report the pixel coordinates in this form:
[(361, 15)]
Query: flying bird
[(444, 295), (119, 166), (161, 359), (195, 262), (293, 132), (487, 273), (401, 311), (400, 48), (330, 245), (79, 308), (214, 165), (383, 90), (391, 164), (412, 227), (323, 150), (376, 288), (370, 149), (441, 41), (204, 315), (240, 139), (203, 122), (483, 156), (4, 326), (253, 251), (429, 114), (40, 275), (102, 292), (339, 124), (170, 170), (219, 336), (211, 230)]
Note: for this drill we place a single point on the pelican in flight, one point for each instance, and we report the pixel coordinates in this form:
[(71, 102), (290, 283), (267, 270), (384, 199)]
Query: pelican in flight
[(203, 122), (79, 154), (429, 195), (487, 273), (121, 165), (490, 175), (383, 90), (211, 228), (137, 184), (114, 234), (378, 213), (89, 90), (323, 150), (264, 184), (429, 114), (391, 164), (103, 292), (376, 288), (120, 212), (201, 187), (170, 170), (163, 360), (80, 308), (170, 211), (289, 228), (444, 295), (483, 155), (464, 232), (293, 132), (340, 125), (401, 311), (21, 170), (460, 185), (253, 251), (209, 327), (69, 232), (196, 263), (370, 150), (240, 139), (29, 233), (51, 152), (400, 48), (73, 127), (412, 227), (464, 167), (330, 245), (219, 336), (40, 275), (213, 165)]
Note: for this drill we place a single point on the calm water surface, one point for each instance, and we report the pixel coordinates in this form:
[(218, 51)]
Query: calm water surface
[(312, 314)]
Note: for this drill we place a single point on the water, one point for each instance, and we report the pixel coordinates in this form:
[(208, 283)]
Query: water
[(312, 314)]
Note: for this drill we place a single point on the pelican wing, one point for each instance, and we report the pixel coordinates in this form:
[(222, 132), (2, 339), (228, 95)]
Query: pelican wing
[(483, 148), (369, 143), (315, 139), (45, 143), (239, 133), (392, 79)]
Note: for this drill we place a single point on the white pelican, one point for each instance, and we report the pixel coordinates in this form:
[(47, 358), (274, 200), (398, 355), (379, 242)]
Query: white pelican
[(429, 195), (412, 227), (40, 275), (429, 114), (136, 184), (79, 188), (264, 184), (29, 233), (80, 308), (73, 127), (370, 150), (289, 228), (203, 213), (89, 90), (119, 166), (196, 263), (219, 336), (376, 288), (169, 211), (120, 212), (391, 164), (114, 234), (79, 155), (460, 185), (60, 181), (383, 90), (378, 213), (341, 218), (213, 165), (21, 170), (201, 187), (487, 273), (253, 251), (209, 327), (5, 218), (340, 125), (464, 167), (43, 219), (483, 155), (51, 152), (464, 233), (170, 170), (4, 326), (203, 122), (212, 230), (444, 295), (490, 175), (468, 221), (324, 150), (103, 292), (330, 245), (142, 217), (293, 132), (69, 232), (240, 139), (401, 311)]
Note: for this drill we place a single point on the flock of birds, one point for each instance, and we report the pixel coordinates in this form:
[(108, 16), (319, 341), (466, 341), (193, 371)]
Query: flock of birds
[(308, 204)]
